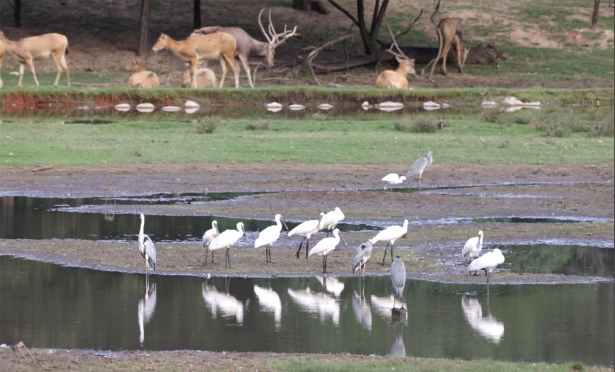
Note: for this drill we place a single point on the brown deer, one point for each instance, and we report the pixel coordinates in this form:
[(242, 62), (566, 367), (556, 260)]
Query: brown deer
[(389, 79), (205, 78), (247, 45), (35, 48), (141, 78), (2, 51), (219, 46), (450, 35)]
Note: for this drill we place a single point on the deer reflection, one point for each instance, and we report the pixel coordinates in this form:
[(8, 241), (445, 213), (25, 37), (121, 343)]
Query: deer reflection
[(227, 305), (331, 284), (146, 308), (270, 301), (361, 310), (488, 327), (317, 303), (384, 307)]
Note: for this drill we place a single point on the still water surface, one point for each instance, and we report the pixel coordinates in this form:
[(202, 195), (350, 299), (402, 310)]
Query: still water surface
[(46, 305)]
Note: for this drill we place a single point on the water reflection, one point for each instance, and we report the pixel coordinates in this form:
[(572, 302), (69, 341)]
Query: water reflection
[(227, 305), (146, 308), (316, 303), (398, 348), (269, 300), (361, 310), (331, 284), (384, 306), (488, 327)]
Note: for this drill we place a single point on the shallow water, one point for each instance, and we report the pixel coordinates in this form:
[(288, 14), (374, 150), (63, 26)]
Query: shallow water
[(46, 305)]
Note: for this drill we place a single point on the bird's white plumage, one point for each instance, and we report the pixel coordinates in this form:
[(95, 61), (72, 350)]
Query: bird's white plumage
[(488, 261), (326, 245), (393, 178), (146, 246), (228, 238), (391, 233), (473, 246), (307, 228), (331, 219), (270, 234), (210, 234)]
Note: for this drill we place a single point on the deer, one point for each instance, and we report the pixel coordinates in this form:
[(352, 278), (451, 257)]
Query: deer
[(2, 51), (205, 77), (219, 46), (451, 36), (247, 45), (36, 48), (389, 79), (141, 78)]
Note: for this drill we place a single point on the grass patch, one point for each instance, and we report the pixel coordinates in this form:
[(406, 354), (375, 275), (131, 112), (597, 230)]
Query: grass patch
[(424, 124), (207, 124), (260, 124)]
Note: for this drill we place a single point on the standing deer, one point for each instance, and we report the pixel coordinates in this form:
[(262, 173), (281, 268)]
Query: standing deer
[(35, 48), (2, 51), (141, 78), (247, 45), (219, 46), (450, 35), (389, 79)]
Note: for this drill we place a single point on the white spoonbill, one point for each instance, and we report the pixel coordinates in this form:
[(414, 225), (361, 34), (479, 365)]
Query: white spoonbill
[(147, 249), (325, 246), (269, 236), (389, 235), (419, 165), (487, 262), (393, 179), (226, 240), (473, 246), (306, 229), (331, 219), (361, 255), (208, 237), (398, 279)]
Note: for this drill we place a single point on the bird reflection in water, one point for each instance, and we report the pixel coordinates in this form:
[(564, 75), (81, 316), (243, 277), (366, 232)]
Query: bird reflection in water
[(384, 307), (361, 310), (224, 303), (317, 303), (331, 284), (146, 308), (270, 301), (488, 326)]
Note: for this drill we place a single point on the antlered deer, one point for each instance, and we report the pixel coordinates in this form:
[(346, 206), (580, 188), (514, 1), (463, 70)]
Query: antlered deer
[(141, 78), (205, 78), (219, 46), (390, 79), (452, 36), (35, 48), (247, 45)]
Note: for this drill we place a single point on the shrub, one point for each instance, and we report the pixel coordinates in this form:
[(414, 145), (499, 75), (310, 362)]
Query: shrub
[(491, 115), (578, 367), (260, 124), (424, 124), (208, 124), (320, 116), (399, 126), (523, 118)]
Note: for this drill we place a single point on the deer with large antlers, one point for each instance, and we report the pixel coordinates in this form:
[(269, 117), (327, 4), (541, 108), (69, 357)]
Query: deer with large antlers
[(141, 78), (35, 48), (247, 45), (220, 46)]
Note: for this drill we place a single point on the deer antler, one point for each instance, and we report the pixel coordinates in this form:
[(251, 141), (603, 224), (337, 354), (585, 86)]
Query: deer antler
[(399, 53), (273, 37)]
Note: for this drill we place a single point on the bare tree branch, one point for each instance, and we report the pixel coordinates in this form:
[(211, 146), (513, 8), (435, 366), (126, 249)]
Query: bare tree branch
[(338, 7), (434, 61)]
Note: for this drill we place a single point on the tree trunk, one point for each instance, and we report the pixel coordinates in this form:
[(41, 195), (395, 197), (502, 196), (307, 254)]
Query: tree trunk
[(197, 14), (595, 14), (143, 37), (17, 14)]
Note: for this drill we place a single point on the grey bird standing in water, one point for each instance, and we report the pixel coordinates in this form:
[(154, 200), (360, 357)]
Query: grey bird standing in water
[(398, 278), (419, 166)]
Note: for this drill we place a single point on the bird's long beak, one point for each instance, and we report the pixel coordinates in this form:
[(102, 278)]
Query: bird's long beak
[(343, 240), (284, 223)]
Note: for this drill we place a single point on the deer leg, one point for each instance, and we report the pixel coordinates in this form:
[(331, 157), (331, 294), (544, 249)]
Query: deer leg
[(64, 65), (30, 64), (224, 69), (59, 68), (459, 50), (22, 67), (194, 64), (447, 48), (244, 63), (231, 62)]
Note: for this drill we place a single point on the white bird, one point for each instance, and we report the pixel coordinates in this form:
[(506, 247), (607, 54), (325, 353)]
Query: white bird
[(325, 246), (306, 229), (226, 304), (393, 179), (269, 236), (226, 240), (146, 308), (331, 219), (389, 235), (317, 303), (398, 279), (487, 262), (147, 249), (208, 237), (270, 300), (489, 327), (420, 165), (361, 255), (473, 246)]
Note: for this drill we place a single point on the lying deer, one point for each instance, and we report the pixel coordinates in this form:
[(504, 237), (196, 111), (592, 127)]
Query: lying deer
[(35, 48), (205, 78), (141, 78), (451, 36), (2, 51), (247, 45), (389, 79), (220, 46)]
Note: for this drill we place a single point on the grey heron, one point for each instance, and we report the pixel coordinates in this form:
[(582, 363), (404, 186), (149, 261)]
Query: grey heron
[(473, 246), (487, 262), (361, 255), (208, 237), (389, 235), (331, 219), (147, 249), (398, 279), (269, 236), (419, 166), (306, 229), (325, 246), (226, 240)]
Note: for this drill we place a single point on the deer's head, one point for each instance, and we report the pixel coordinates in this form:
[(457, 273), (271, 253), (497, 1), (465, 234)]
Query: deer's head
[(406, 66), (273, 38), (136, 65), (464, 56), (161, 43)]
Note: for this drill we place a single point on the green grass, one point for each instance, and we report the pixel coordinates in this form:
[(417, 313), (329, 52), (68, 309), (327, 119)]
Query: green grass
[(467, 140)]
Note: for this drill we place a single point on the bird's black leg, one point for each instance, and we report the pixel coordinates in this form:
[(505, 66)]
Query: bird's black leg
[(392, 252), (324, 263), (228, 258), (212, 256), (300, 245), (385, 254), (307, 248)]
